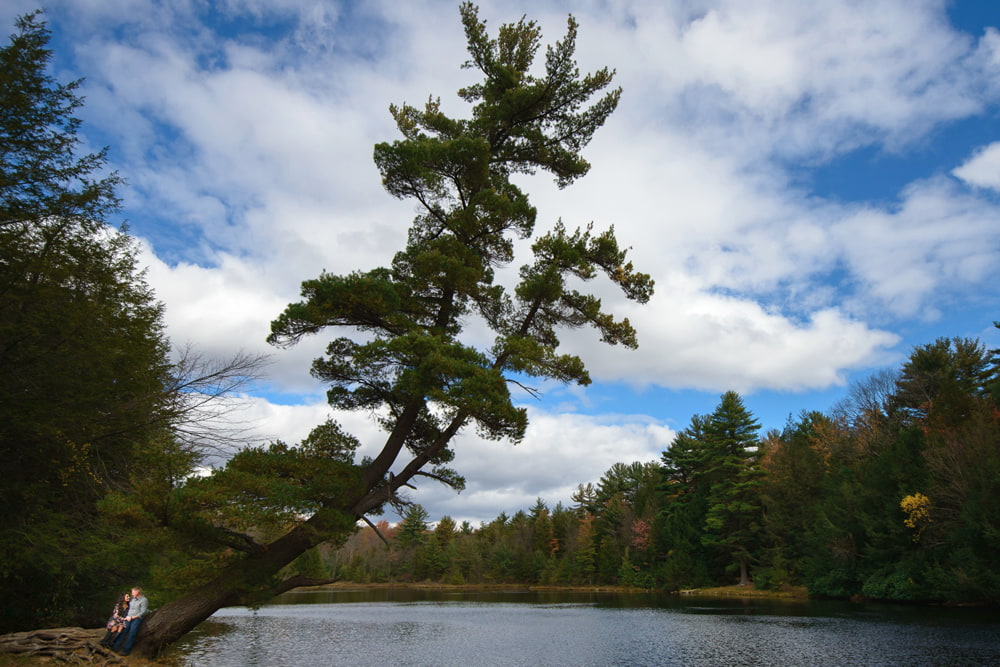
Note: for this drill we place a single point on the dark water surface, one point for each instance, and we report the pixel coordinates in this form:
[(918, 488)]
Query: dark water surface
[(401, 627)]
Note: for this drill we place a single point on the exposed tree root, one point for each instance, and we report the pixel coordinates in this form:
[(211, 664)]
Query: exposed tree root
[(73, 646)]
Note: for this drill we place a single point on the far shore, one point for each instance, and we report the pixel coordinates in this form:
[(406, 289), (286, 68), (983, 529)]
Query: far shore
[(787, 593)]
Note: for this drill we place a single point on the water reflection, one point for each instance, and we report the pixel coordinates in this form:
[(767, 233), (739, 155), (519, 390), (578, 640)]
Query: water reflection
[(448, 627)]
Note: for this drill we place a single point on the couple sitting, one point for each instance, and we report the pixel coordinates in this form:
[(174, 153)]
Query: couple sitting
[(123, 626)]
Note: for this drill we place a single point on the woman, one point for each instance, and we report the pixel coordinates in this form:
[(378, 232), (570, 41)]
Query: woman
[(117, 621)]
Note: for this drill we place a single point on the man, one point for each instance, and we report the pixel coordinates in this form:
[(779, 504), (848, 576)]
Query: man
[(133, 619)]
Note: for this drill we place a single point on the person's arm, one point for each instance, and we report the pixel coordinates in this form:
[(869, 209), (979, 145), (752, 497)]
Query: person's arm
[(142, 606)]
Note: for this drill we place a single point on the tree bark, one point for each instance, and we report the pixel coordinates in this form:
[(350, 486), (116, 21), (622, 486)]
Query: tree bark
[(175, 619)]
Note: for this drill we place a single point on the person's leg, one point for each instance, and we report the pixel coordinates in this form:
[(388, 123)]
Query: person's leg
[(130, 633), (116, 643)]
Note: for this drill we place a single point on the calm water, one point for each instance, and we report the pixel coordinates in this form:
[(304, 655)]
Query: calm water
[(405, 627)]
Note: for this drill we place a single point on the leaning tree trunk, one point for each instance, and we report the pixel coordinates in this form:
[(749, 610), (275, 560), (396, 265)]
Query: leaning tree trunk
[(247, 581), (252, 579), (175, 619)]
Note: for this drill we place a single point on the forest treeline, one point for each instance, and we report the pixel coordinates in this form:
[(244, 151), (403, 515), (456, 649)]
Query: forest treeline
[(893, 494)]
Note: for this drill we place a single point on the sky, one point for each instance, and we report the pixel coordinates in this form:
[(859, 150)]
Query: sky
[(815, 188)]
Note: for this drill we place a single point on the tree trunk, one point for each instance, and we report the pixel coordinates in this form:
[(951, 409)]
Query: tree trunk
[(175, 619), (744, 574), (247, 581)]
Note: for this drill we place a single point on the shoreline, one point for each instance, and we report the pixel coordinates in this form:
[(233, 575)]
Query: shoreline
[(798, 593), (787, 593)]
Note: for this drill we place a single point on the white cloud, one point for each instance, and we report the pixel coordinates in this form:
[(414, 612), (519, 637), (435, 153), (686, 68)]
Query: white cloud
[(982, 169), (694, 339), (824, 77), (504, 477), (274, 175), (938, 242)]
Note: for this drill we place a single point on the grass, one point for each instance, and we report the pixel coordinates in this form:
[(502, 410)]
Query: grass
[(787, 593)]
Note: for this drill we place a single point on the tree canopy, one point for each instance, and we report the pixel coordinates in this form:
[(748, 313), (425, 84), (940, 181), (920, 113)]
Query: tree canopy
[(82, 350), (96, 421), (415, 370)]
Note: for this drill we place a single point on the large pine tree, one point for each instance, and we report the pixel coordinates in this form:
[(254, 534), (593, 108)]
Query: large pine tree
[(733, 520), (405, 356), (711, 496)]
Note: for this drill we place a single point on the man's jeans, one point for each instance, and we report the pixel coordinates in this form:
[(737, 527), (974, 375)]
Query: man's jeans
[(126, 638)]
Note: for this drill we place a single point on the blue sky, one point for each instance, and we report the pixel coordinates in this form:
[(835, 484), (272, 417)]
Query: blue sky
[(815, 188)]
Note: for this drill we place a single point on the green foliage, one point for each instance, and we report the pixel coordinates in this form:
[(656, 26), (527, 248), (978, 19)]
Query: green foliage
[(893, 583), (310, 565), (413, 529), (711, 491), (940, 382), (733, 519), (792, 487), (444, 532), (264, 488), (84, 356), (858, 504)]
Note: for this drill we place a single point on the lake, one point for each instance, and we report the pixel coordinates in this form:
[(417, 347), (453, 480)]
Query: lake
[(402, 627)]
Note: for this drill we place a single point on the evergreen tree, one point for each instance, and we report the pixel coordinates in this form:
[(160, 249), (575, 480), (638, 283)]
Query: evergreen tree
[(791, 490), (542, 535), (410, 364), (584, 551), (940, 382), (82, 351), (683, 507), (733, 520), (684, 460), (711, 494), (413, 528), (444, 532)]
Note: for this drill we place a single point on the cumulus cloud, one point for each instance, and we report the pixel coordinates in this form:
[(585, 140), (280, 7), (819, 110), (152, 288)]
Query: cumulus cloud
[(936, 241), (505, 477), (982, 169), (267, 165), (824, 77), (501, 476)]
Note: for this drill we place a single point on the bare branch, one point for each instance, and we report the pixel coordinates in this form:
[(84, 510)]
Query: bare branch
[(531, 391), (204, 396), (377, 531)]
